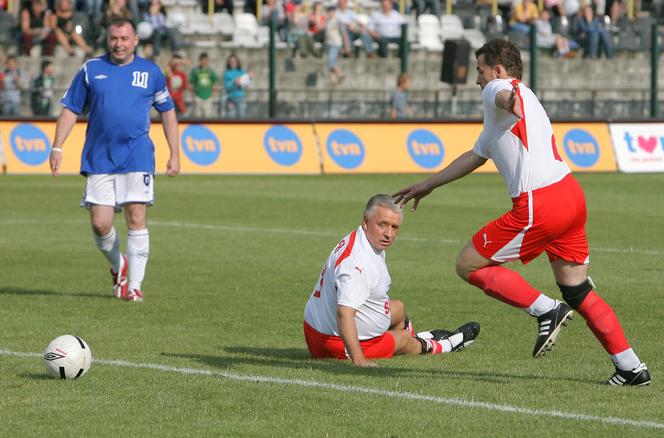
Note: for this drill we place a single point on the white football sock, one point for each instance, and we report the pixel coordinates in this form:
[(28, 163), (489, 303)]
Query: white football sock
[(541, 305), (626, 360), (109, 245), (138, 251)]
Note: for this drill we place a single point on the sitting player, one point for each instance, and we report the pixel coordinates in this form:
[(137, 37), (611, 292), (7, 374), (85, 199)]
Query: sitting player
[(349, 314)]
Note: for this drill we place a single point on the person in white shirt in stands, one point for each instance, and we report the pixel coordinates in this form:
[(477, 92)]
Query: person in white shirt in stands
[(352, 29), (350, 315), (548, 215), (385, 27)]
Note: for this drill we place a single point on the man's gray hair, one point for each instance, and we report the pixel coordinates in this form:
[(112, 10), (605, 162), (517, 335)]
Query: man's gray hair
[(381, 200)]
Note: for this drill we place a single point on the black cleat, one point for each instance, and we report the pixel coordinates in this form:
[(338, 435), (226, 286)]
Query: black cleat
[(550, 325), (460, 338), (639, 376)]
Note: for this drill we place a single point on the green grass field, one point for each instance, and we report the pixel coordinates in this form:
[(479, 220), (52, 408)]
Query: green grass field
[(217, 347)]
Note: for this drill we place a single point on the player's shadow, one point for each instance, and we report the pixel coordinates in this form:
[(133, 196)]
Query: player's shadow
[(11, 290), (299, 358), (36, 376)]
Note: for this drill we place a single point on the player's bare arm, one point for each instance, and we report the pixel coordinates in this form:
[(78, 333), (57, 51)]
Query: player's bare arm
[(63, 127), (460, 167), (170, 126), (348, 331), (509, 101)]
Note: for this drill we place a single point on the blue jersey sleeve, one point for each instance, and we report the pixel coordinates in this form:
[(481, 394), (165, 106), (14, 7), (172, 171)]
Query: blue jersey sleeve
[(162, 98), (76, 96)]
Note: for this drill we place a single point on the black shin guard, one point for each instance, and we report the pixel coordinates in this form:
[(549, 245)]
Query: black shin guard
[(574, 295), (426, 346)]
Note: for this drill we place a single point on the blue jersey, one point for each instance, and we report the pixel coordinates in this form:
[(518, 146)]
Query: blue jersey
[(118, 99)]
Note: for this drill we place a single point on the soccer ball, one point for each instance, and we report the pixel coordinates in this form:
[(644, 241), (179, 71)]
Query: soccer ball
[(67, 357)]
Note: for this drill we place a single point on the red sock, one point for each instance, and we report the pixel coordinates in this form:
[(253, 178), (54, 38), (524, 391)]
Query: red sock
[(603, 322), (504, 285)]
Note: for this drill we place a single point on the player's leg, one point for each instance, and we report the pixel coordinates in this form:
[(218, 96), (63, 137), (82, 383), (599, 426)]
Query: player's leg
[(99, 197), (405, 343), (135, 191), (138, 247), (397, 315), (579, 292)]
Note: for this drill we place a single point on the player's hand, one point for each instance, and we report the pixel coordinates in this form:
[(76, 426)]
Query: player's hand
[(364, 363), (415, 191), (173, 166), (55, 160), (514, 103)]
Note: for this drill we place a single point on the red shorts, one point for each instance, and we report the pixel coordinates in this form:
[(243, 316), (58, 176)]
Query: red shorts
[(322, 346), (551, 219)]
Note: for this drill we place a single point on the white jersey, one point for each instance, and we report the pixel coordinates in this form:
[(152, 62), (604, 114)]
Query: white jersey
[(355, 275), (524, 150)]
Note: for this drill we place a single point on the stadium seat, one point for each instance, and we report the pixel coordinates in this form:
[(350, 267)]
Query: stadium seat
[(429, 32), (475, 37), (451, 27), (246, 28), (7, 28), (224, 24)]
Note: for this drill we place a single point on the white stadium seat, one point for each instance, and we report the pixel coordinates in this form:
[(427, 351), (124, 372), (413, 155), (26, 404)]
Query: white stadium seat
[(429, 32), (451, 27)]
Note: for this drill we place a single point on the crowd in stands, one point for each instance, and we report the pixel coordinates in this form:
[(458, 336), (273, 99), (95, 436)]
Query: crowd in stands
[(333, 29)]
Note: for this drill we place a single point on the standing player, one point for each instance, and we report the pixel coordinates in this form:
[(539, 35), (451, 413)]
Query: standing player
[(349, 314), (548, 214), (119, 89)]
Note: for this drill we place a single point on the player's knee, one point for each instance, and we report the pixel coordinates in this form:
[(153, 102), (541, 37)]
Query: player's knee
[(101, 228), (462, 267), (397, 307), (574, 295)]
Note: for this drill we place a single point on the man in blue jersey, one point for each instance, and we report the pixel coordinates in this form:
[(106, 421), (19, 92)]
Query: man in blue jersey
[(119, 89)]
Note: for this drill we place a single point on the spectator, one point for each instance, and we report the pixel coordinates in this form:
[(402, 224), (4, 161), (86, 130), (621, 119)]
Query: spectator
[(35, 22), (114, 8), (591, 32), (14, 85), (524, 14), (219, 6), (317, 22), (235, 82), (547, 39), (156, 16), (41, 93), (422, 5), (299, 35), (399, 107), (63, 25), (176, 82), (333, 44), (557, 7), (273, 10), (385, 27), (614, 9), (352, 29), (203, 80)]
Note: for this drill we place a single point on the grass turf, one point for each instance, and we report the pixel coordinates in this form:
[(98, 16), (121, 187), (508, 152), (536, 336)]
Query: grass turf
[(233, 260)]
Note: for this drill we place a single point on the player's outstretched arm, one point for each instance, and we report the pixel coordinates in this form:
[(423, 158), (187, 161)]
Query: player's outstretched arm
[(63, 127), (170, 124), (460, 167), (509, 101), (348, 330)]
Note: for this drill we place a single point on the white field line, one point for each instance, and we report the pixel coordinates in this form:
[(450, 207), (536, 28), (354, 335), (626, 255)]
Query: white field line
[(294, 231), (471, 404)]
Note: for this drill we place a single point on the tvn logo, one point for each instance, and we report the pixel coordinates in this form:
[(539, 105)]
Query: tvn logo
[(581, 147), (425, 148), (345, 148), (282, 145), (200, 145), (30, 144)]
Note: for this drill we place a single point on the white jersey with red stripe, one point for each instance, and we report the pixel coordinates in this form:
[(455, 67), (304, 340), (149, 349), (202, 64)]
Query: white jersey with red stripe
[(355, 275), (524, 150)]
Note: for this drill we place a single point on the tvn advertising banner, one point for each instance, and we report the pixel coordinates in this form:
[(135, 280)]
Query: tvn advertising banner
[(639, 146), (586, 147), (215, 148), (405, 148)]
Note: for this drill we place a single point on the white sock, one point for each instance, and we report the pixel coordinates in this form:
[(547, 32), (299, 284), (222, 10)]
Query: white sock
[(626, 360), (541, 305), (109, 245), (138, 251)]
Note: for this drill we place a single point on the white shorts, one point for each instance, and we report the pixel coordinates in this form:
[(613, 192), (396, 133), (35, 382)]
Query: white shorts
[(115, 190)]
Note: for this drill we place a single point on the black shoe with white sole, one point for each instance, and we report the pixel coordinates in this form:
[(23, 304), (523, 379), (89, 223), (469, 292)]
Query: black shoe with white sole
[(460, 338), (639, 376), (550, 325)]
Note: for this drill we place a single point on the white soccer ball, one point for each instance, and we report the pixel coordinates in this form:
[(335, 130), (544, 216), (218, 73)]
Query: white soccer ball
[(67, 357)]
